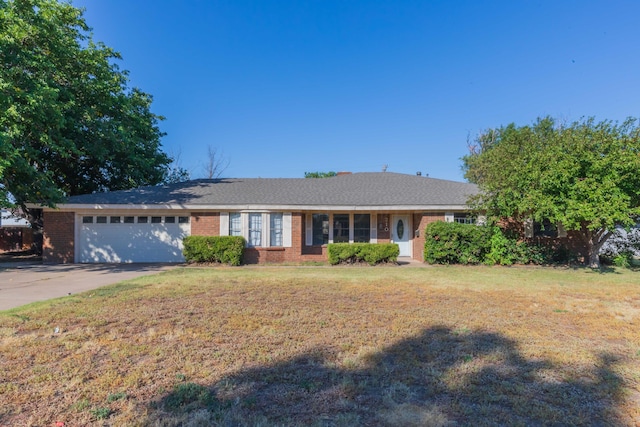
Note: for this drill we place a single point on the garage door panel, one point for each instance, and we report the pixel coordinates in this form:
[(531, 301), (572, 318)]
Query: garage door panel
[(122, 243)]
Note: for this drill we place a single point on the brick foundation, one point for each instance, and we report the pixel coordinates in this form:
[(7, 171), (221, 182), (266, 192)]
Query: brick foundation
[(58, 237)]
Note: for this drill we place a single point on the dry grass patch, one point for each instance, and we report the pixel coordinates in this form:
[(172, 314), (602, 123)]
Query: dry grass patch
[(330, 347)]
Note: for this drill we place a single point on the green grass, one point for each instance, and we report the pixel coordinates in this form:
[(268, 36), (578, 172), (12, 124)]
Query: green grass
[(330, 346)]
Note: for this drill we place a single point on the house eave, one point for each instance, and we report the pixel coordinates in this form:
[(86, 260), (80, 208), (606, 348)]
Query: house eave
[(250, 207)]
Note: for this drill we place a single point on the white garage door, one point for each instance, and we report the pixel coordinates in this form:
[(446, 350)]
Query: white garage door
[(126, 238)]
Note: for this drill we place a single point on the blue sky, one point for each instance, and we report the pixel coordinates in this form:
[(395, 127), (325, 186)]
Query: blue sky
[(284, 87)]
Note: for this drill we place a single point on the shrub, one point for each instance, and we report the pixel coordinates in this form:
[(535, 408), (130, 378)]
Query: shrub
[(371, 253), (222, 249), (621, 247), (455, 243)]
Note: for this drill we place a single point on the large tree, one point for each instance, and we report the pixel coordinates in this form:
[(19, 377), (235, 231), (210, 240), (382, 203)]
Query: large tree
[(69, 122), (585, 175)]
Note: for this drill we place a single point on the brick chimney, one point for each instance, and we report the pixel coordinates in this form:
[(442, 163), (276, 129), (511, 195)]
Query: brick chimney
[(343, 173)]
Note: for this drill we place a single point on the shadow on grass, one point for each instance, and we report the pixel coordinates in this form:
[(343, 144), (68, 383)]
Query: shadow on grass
[(441, 377)]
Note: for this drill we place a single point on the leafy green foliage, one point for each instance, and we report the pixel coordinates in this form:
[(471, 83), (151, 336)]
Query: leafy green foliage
[(455, 243), (319, 174), (583, 175), (371, 253), (101, 413), (222, 249), (69, 123)]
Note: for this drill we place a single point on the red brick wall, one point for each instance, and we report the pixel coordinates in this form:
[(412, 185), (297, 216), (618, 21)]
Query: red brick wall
[(58, 237), (573, 242), (420, 221), (205, 223), (15, 238), (384, 227)]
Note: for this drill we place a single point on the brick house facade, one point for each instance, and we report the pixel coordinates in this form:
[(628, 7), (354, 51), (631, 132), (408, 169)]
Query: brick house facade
[(283, 220)]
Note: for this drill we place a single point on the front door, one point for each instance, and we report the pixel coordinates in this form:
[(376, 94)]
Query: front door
[(401, 234)]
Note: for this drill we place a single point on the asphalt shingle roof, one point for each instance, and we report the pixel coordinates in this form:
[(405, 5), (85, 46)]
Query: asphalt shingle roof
[(358, 189)]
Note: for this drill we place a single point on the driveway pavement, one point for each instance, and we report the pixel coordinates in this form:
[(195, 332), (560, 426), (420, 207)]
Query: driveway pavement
[(23, 284)]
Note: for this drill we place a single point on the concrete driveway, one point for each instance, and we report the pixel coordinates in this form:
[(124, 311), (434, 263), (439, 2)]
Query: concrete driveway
[(24, 284)]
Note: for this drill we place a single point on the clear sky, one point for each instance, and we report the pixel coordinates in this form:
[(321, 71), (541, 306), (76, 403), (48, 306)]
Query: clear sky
[(285, 87)]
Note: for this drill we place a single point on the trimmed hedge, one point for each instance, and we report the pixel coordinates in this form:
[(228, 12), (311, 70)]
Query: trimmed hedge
[(371, 253), (455, 243), (222, 249)]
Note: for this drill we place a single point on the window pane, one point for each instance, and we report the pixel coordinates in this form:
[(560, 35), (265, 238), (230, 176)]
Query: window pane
[(276, 229), (170, 219), (545, 229), (114, 220), (341, 228), (361, 228), (87, 220), (143, 219), (464, 218), (101, 219), (255, 229), (235, 225), (156, 219), (128, 219), (183, 220), (320, 229)]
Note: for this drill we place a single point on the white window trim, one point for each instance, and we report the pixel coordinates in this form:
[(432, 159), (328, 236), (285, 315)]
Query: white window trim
[(265, 239), (224, 223), (286, 229)]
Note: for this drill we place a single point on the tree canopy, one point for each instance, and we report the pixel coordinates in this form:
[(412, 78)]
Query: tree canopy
[(69, 122), (319, 174), (584, 175)]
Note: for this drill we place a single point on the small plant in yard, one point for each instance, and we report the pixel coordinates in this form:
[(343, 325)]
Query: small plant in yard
[(116, 396), (188, 396), (101, 413)]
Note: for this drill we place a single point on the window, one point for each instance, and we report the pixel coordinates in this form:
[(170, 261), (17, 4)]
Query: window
[(320, 229), (183, 220), (341, 228), (276, 229), (545, 229), (87, 220), (170, 219), (361, 228), (128, 219), (235, 224), (463, 218), (143, 219), (101, 220), (156, 219), (115, 220), (255, 229)]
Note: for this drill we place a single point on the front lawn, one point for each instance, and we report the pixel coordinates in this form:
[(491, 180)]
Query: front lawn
[(330, 347)]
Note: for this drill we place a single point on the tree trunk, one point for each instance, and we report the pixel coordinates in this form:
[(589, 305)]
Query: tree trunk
[(34, 216), (594, 256), (594, 243)]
